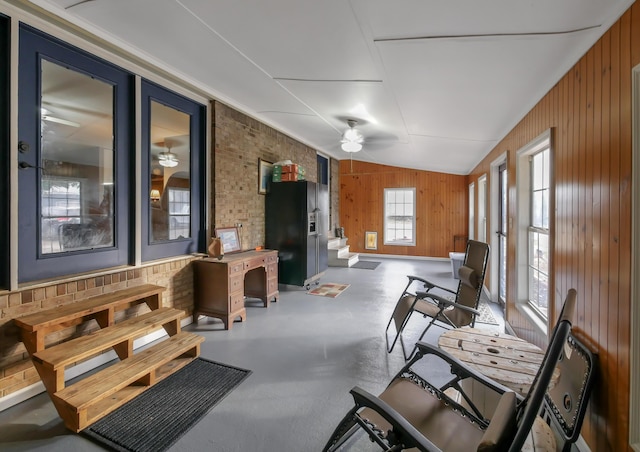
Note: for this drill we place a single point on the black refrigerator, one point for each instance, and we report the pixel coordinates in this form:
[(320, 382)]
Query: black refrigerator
[(297, 223)]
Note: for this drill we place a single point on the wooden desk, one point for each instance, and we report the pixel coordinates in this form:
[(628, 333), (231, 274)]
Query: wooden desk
[(221, 285), (506, 359)]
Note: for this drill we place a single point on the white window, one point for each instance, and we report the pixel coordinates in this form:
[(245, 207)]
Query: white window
[(533, 244), (472, 210), (539, 231), (482, 208), (179, 213), (399, 216)]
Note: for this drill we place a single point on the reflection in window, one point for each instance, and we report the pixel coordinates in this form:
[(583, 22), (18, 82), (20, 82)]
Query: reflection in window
[(170, 173), (76, 186), (179, 213)]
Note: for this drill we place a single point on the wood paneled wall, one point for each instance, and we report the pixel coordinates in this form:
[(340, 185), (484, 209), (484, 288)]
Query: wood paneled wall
[(589, 111), (441, 207)]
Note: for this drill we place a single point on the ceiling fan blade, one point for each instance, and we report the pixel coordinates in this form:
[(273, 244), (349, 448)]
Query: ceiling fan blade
[(60, 121)]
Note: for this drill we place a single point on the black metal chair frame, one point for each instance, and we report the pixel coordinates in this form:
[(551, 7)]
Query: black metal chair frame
[(410, 301), (403, 435)]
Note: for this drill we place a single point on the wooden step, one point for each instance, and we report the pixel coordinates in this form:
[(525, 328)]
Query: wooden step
[(35, 327), (52, 361), (90, 399)]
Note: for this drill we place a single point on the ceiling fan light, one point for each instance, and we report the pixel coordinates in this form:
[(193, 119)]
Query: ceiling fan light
[(167, 159), (351, 135), (351, 146)]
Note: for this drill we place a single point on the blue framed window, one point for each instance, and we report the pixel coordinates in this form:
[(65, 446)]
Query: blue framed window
[(4, 149), (323, 169), (75, 130), (173, 137)]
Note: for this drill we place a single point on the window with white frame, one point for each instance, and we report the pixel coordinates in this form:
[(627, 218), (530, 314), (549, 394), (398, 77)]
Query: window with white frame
[(399, 216), (472, 211), (533, 251), (538, 231)]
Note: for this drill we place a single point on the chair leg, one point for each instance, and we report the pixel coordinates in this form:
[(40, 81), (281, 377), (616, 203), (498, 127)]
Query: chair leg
[(415, 347), (345, 430)]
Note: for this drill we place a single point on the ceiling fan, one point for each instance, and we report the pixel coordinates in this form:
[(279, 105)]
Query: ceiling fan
[(352, 139)]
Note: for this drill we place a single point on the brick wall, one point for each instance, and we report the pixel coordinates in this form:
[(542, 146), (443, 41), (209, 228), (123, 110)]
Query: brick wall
[(239, 141)]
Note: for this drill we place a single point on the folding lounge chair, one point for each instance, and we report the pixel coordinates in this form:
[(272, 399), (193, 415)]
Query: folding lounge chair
[(449, 311), (414, 413), (565, 403)]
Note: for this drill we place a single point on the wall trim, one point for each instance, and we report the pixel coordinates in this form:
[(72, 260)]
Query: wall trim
[(634, 364), (494, 220)]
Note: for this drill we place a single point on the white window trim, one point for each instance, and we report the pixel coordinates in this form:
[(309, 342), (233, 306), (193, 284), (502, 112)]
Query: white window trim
[(415, 202), (634, 367), (495, 220), (472, 214), (482, 208), (523, 182)]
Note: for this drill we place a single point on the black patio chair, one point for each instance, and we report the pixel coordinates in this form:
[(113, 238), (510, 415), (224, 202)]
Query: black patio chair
[(446, 308), (412, 412)]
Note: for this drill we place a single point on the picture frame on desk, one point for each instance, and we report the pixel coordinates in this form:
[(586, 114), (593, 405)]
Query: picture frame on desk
[(264, 176), (230, 239)]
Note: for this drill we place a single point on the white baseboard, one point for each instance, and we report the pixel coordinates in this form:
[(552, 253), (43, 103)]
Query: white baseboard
[(398, 256), (581, 445), (31, 391)]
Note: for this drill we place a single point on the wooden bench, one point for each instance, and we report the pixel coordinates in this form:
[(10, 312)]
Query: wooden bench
[(51, 362), (35, 327), (90, 399)]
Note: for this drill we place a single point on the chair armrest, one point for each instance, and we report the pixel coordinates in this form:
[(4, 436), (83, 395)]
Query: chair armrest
[(459, 368), (428, 284), (410, 436), (443, 301)]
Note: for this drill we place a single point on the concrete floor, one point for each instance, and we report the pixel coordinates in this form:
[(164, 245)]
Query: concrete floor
[(306, 353)]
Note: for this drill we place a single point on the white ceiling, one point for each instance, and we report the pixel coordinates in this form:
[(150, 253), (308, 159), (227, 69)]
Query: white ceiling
[(434, 84)]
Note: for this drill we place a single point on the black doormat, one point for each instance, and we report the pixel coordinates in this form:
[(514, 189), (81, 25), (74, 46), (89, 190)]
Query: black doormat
[(367, 265), (158, 417)]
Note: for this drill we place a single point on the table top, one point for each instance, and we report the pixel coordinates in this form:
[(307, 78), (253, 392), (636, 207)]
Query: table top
[(506, 359), (241, 255)]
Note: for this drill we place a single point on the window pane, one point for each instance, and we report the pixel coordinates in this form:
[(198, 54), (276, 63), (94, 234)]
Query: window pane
[(538, 270), (536, 209), (170, 174), (545, 209), (538, 171), (545, 168), (76, 186)]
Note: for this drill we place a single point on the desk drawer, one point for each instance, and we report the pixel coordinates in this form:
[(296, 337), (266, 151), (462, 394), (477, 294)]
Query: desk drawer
[(271, 258), (236, 283), (236, 302), (272, 270), (254, 263), (272, 285), (236, 268)]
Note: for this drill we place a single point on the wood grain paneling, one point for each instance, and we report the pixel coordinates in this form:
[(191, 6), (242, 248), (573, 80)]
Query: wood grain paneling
[(441, 207), (589, 110)]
